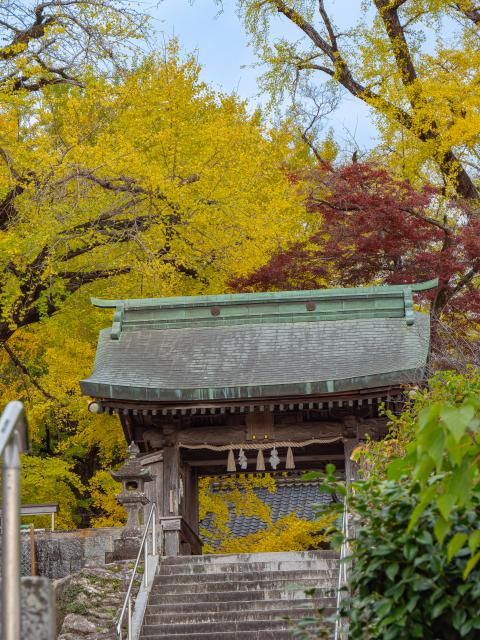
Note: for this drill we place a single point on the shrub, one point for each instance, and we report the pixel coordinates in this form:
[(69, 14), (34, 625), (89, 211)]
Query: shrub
[(404, 583)]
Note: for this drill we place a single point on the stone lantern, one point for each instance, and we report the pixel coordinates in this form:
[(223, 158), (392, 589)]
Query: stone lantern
[(133, 476)]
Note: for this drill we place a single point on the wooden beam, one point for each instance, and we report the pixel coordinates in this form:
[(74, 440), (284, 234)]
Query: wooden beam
[(312, 459), (345, 396)]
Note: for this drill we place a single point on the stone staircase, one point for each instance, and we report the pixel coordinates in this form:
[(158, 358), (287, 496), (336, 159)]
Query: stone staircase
[(244, 596)]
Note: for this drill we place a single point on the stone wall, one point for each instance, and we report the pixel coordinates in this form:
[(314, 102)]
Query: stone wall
[(60, 553), (89, 603)]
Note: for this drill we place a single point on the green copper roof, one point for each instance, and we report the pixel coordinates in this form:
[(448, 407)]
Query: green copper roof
[(253, 308), (256, 345)]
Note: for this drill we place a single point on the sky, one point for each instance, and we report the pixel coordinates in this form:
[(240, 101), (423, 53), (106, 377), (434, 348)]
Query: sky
[(227, 61)]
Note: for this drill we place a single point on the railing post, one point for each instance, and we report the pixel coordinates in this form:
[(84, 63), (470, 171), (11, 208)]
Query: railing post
[(154, 533), (129, 630), (11, 541), (13, 441), (145, 564), (144, 546)]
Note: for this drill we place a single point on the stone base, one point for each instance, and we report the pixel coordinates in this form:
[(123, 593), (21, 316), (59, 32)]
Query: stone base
[(38, 621), (124, 549)]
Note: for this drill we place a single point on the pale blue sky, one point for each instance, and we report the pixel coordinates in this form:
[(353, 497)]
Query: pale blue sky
[(226, 59)]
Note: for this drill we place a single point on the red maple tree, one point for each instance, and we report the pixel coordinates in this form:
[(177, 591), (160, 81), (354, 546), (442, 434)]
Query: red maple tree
[(375, 228)]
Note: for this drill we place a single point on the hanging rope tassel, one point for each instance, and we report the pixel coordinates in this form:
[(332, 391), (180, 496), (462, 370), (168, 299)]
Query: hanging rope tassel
[(260, 461), (290, 462), (231, 461)]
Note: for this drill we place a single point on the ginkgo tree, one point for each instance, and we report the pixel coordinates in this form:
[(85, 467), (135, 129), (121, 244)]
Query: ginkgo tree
[(51, 42), (153, 174), (145, 184), (413, 62)]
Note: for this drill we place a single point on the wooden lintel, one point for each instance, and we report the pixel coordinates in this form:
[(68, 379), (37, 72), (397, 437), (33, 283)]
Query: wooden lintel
[(321, 458)]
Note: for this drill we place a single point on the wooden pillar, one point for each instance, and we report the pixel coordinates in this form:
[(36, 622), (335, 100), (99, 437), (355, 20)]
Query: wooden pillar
[(171, 481), (154, 489), (166, 491), (172, 488), (190, 510), (350, 466)]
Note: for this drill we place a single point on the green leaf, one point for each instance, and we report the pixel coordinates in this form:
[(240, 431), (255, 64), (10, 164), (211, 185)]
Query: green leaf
[(445, 504), (455, 544), (459, 484), (411, 604), (311, 475), (410, 550), (440, 529), (466, 628), (434, 444), (428, 414), (474, 541), (397, 468), (425, 536), (383, 608), (424, 469), (459, 618), (392, 570), (471, 564), (438, 608), (425, 500), (457, 419)]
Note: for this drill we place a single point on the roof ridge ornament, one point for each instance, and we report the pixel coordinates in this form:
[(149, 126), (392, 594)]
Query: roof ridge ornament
[(117, 322), (408, 300)]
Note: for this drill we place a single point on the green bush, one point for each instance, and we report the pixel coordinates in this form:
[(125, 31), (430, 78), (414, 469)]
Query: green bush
[(404, 584)]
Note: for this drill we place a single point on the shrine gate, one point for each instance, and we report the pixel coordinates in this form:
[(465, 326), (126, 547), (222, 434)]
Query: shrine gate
[(277, 381)]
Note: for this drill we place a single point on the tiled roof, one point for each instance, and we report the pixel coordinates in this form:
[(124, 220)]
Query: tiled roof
[(244, 346), (290, 497), (258, 360)]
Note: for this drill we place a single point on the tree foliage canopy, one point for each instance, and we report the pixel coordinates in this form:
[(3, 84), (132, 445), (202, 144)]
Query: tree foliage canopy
[(53, 42), (147, 183), (220, 497), (373, 227), (425, 98)]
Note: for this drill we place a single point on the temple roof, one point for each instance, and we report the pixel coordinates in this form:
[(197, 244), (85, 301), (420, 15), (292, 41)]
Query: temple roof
[(247, 346), (292, 495)]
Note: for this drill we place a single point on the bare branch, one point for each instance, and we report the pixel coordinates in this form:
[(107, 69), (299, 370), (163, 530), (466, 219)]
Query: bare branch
[(57, 40), (431, 221), (76, 279), (469, 10)]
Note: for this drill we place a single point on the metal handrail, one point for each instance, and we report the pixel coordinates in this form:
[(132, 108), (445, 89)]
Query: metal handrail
[(127, 604), (13, 442), (341, 627)]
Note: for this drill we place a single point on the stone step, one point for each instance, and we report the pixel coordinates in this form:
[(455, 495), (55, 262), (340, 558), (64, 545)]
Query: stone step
[(196, 617), (227, 635), (196, 629), (244, 585), (217, 606), (235, 595), (320, 564), (275, 556), (238, 596), (295, 576)]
